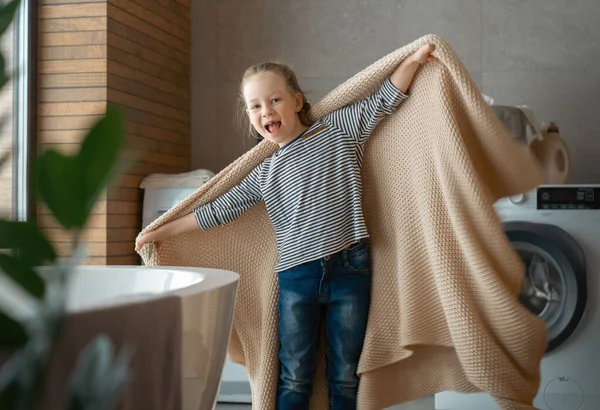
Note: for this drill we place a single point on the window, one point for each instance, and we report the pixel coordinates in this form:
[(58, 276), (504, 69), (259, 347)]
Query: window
[(17, 113)]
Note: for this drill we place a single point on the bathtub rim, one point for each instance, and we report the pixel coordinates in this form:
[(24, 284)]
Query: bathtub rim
[(212, 279)]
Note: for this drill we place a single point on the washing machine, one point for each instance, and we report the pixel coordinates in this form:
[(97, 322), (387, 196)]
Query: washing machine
[(556, 231)]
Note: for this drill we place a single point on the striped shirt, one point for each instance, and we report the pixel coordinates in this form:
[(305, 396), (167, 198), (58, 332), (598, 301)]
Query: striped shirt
[(312, 186)]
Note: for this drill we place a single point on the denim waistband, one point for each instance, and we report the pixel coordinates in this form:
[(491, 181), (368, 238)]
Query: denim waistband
[(344, 252)]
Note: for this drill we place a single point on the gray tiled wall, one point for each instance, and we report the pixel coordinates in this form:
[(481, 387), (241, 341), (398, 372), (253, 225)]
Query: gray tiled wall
[(543, 53)]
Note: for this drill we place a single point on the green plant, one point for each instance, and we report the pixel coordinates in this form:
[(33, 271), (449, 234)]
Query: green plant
[(69, 186)]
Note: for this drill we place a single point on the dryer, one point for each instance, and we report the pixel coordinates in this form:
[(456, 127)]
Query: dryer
[(556, 231)]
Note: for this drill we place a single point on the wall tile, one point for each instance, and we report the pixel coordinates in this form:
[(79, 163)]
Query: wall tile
[(543, 53), (241, 36), (230, 142), (204, 87), (540, 34), (321, 39), (317, 88)]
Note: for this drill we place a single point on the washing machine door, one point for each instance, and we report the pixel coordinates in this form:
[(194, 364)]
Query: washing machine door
[(555, 283)]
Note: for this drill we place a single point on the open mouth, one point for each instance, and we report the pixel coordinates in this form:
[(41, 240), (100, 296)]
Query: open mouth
[(273, 127)]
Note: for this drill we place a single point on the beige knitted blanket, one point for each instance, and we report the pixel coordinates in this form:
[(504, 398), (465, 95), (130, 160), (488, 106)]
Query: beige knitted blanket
[(444, 312)]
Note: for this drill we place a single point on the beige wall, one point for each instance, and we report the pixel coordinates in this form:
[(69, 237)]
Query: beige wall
[(542, 53)]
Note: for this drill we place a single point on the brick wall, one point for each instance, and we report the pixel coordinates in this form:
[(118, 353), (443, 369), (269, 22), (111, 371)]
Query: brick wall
[(130, 53)]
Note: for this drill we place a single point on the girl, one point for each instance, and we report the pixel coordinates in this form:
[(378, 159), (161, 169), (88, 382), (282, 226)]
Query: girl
[(312, 190)]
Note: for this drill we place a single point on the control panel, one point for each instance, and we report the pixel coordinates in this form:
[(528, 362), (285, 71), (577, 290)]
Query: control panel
[(568, 197)]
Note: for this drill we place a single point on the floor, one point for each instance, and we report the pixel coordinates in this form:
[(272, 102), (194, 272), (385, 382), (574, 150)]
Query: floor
[(426, 403)]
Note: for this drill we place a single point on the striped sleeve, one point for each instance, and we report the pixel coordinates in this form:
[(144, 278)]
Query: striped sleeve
[(232, 204), (359, 120)]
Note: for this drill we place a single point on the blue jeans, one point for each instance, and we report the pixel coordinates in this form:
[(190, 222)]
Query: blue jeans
[(336, 288)]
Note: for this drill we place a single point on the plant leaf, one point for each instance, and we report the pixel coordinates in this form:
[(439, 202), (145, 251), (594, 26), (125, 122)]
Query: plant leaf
[(7, 14), (99, 378), (6, 156), (4, 119), (3, 159), (6, 400), (32, 247), (23, 274), (13, 334), (4, 78), (70, 185), (22, 373), (9, 389), (99, 152), (59, 184)]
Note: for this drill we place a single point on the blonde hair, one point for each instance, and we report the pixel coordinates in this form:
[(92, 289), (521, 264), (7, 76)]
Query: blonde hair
[(291, 81)]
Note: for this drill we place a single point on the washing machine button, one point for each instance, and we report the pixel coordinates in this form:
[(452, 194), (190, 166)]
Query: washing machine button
[(517, 199), (563, 393)]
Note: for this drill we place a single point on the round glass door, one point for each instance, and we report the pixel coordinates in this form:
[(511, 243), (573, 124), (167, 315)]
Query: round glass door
[(554, 286)]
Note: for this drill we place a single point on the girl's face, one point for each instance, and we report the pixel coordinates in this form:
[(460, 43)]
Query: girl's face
[(272, 109)]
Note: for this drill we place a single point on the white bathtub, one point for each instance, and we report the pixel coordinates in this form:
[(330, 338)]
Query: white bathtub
[(207, 298)]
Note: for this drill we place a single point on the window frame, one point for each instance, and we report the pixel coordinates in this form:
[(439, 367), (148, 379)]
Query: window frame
[(25, 111)]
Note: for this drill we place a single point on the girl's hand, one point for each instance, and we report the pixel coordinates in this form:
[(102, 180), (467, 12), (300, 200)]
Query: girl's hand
[(423, 54), (403, 75), (152, 236), (178, 226)]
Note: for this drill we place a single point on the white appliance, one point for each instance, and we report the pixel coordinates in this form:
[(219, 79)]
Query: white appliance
[(235, 384), (164, 191), (556, 230)]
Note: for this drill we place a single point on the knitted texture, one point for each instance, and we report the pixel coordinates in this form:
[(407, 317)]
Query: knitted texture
[(444, 313)]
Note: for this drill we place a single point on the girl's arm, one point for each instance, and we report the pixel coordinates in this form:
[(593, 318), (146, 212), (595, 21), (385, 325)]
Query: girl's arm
[(178, 226), (221, 211), (358, 120), (403, 75)]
